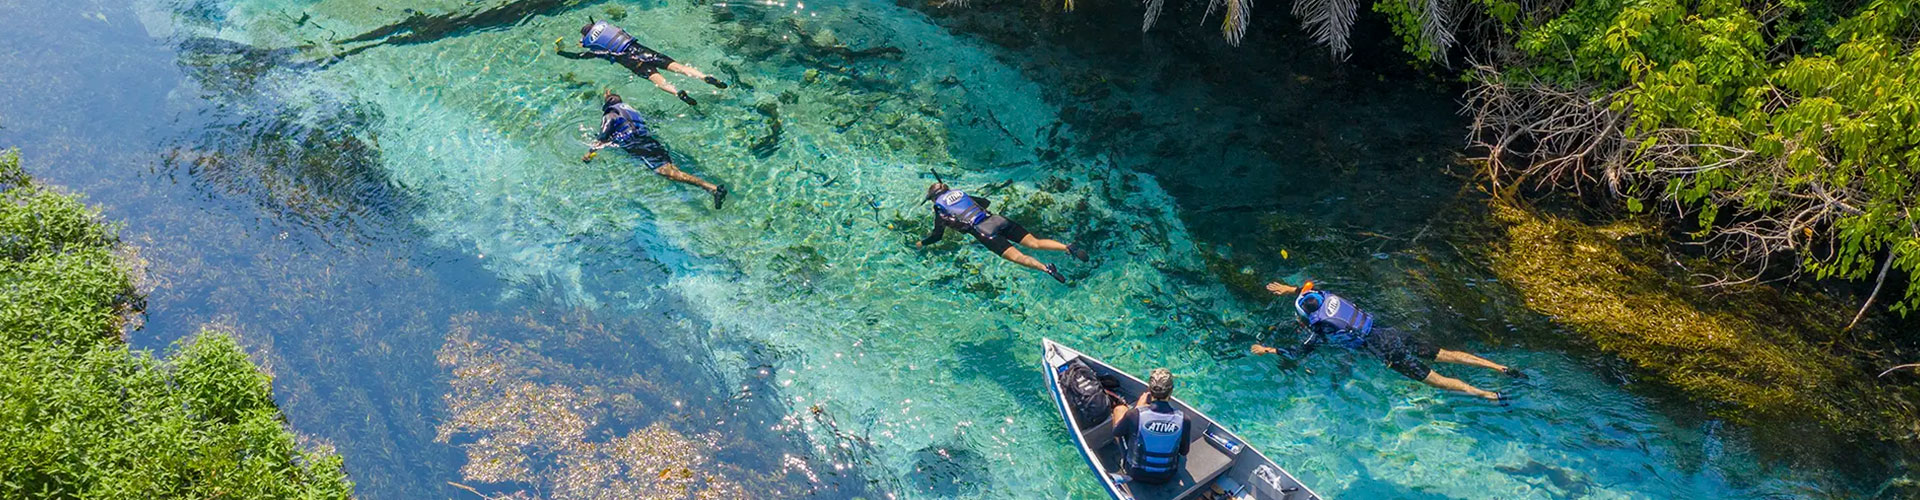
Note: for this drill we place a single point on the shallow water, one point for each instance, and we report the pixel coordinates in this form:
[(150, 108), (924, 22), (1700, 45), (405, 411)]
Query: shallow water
[(398, 225)]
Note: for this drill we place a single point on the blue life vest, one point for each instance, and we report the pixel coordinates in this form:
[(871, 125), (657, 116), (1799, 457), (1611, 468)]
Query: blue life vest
[(956, 204), (605, 37), (627, 124), (1352, 325), (1154, 452)]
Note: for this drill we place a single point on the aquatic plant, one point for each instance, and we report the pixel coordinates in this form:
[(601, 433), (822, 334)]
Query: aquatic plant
[(1781, 131), (518, 428), (1751, 358), (85, 416)]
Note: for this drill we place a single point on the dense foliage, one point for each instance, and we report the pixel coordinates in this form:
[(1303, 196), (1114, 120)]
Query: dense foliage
[(82, 415), (1785, 127)]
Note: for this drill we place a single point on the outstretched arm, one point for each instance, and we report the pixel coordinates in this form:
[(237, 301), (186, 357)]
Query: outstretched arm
[(1288, 357), (560, 47), (939, 231), (1282, 289), (603, 141), (594, 149)]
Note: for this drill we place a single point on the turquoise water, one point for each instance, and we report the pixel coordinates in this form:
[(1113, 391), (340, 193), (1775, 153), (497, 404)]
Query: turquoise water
[(401, 225)]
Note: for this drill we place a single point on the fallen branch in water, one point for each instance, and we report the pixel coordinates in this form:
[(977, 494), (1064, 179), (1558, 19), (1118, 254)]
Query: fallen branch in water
[(470, 489)]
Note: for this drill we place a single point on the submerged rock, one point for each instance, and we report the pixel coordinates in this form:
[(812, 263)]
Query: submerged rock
[(947, 471)]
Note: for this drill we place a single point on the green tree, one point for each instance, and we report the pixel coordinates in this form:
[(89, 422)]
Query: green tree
[(82, 415), (1783, 128)]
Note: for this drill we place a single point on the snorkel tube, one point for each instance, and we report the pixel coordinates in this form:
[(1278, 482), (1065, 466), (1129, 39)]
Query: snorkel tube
[(936, 178)]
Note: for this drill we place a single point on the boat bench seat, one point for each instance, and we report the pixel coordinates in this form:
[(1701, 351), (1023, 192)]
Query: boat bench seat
[(1098, 435), (1204, 462)]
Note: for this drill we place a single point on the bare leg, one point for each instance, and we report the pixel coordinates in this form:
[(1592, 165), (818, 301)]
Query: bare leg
[(1452, 384), (686, 70), (1461, 358), (1014, 255), (1032, 242), (671, 172), (661, 81)]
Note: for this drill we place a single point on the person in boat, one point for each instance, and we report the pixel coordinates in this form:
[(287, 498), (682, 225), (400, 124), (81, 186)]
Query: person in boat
[(957, 209), (603, 40), (621, 125), (1332, 320), (1153, 432)]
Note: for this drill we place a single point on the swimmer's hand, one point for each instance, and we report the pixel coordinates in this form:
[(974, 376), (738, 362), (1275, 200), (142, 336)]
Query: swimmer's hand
[(1281, 289), (1260, 349)]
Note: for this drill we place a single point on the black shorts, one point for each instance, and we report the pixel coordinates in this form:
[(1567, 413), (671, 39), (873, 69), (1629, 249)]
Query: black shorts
[(649, 151), (998, 233), (1407, 354), (644, 61)]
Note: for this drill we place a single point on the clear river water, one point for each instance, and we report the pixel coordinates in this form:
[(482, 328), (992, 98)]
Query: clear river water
[(384, 201)]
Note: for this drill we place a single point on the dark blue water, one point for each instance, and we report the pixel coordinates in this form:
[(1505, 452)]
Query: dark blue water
[(400, 230)]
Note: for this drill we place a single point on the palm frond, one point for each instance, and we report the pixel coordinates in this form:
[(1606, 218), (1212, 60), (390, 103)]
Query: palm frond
[(1436, 27), (1153, 14), (1234, 25), (1329, 21)]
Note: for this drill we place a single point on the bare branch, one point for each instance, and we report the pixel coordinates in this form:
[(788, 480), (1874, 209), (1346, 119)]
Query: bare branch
[(1884, 266)]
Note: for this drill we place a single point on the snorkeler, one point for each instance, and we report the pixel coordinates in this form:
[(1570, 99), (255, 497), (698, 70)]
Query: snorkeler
[(623, 126), (1334, 321), (606, 41), (956, 209)]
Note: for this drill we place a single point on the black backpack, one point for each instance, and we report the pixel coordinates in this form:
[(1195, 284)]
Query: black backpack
[(1086, 394)]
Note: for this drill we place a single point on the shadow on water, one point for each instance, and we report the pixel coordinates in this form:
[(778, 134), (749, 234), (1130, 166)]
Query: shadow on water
[(421, 27), (1371, 487), (998, 361), (947, 471)]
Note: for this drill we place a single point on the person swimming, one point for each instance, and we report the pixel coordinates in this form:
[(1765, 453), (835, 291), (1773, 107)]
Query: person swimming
[(623, 126), (1332, 320), (959, 210), (603, 40)]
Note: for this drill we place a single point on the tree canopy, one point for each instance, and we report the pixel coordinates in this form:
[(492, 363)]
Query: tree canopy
[(84, 416), (1782, 128)]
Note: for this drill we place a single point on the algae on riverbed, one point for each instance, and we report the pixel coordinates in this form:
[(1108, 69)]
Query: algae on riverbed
[(565, 438), (1752, 353)]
